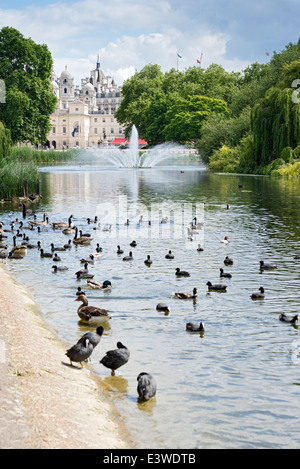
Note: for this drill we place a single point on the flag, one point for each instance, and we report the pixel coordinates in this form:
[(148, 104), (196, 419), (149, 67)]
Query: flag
[(198, 61), (267, 53), (179, 56), (76, 129)]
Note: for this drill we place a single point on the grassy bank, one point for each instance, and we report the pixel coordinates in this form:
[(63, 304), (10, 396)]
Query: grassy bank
[(19, 169)]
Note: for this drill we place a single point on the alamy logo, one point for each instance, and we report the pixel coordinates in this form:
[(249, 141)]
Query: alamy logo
[(295, 94), (165, 220), (2, 92)]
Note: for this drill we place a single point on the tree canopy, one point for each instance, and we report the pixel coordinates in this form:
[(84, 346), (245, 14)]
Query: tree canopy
[(26, 69)]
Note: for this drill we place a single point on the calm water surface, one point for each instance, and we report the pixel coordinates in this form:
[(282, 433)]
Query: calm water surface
[(236, 386)]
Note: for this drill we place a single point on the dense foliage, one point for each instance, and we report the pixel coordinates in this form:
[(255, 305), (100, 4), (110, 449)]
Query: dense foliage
[(245, 121), (26, 69)]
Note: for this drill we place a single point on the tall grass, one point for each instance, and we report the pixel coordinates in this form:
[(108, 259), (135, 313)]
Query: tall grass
[(17, 179), (19, 169), (42, 156)]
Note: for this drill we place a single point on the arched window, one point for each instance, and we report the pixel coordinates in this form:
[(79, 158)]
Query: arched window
[(65, 90)]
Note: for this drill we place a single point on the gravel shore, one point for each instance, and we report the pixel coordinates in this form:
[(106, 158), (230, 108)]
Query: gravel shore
[(45, 404)]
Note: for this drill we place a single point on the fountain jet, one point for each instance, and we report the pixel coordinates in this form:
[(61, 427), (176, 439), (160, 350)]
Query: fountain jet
[(130, 158)]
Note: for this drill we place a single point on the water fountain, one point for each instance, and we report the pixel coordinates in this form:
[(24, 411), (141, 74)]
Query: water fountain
[(130, 158)]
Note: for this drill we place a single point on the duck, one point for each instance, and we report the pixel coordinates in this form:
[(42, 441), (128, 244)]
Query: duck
[(68, 229), (94, 338), (163, 307), (81, 271), (181, 273), (91, 313), (96, 255), (80, 291), (225, 240), (45, 254), (84, 235), (170, 255), (28, 227), (84, 275), (81, 240), (114, 359), (200, 248), (59, 268), (133, 244), (99, 285), (80, 352), (195, 224), (291, 319), (119, 250), (184, 296), (191, 326), (146, 387), (90, 260), (19, 249), (224, 274), (128, 258), (216, 287), (26, 211), (148, 261), (58, 225), (264, 266), (258, 295), (228, 261), (59, 248), (40, 223), (15, 255), (92, 221), (56, 258)]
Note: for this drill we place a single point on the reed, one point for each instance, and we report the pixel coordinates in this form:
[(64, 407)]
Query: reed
[(17, 179), (42, 156)]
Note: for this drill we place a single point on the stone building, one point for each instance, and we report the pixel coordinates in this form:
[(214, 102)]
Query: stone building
[(84, 116)]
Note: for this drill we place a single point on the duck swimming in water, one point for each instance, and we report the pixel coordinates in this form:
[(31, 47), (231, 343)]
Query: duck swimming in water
[(258, 295), (291, 319), (192, 327), (114, 359), (163, 307), (216, 287), (224, 274), (99, 285), (170, 255), (228, 261), (91, 313), (128, 258), (264, 266), (146, 387), (183, 295), (181, 273)]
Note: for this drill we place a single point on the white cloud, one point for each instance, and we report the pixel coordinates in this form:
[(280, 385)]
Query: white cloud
[(128, 35)]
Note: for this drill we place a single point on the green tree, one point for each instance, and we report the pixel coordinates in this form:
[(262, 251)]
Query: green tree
[(26, 68), (186, 116), (136, 94), (275, 119)]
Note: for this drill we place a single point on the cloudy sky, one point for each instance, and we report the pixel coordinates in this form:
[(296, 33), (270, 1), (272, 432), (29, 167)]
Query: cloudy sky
[(131, 34)]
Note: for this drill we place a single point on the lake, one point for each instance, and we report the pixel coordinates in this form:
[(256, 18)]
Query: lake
[(236, 385)]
